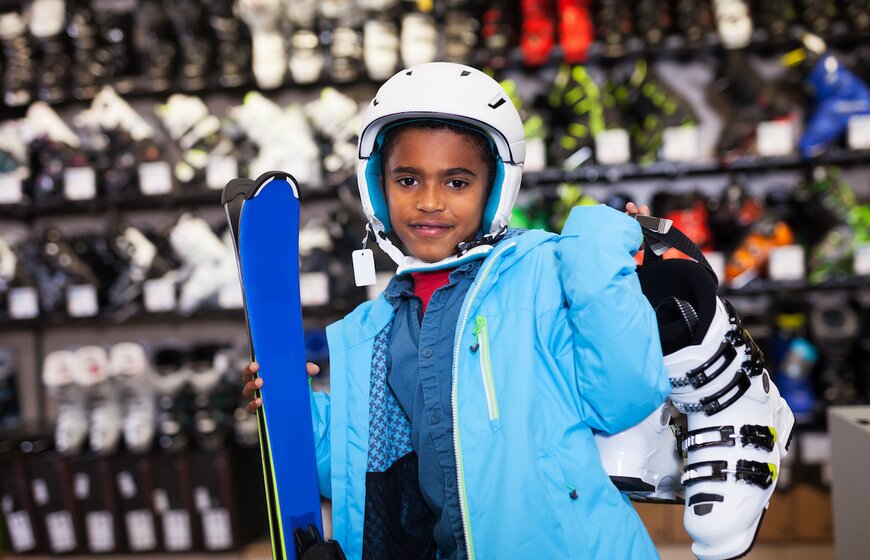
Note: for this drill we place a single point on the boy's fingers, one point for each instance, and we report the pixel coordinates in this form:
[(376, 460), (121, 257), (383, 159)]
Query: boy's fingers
[(312, 369), (250, 370), (644, 210), (251, 386), (631, 208), (253, 406)]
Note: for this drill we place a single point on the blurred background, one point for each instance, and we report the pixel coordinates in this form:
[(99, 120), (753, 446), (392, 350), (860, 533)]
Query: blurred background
[(122, 336)]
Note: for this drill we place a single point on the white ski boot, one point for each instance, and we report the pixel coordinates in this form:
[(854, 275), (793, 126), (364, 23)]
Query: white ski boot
[(643, 461), (263, 18), (60, 377), (105, 422), (132, 373), (738, 425)]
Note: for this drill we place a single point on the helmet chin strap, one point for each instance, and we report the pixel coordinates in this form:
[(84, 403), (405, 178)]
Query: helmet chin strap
[(465, 251)]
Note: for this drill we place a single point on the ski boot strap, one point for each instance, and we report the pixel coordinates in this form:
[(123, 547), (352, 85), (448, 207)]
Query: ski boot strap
[(762, 437), (659, 235), (754, 472)]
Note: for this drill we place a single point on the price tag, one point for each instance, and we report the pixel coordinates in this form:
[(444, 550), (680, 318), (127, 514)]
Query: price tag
[(40, 491), (20, 531), (858, 132), (536, 155), (23, 303), (161, 500), (313, 288), (815, 448), (775, 138), (140, 530), (126, 484), (221, 170), (159, 295), (81, 486), (201, 498), (10, 189), (176, 530), (861, 262), (216, 529), (681, 143), (81, 301), (79, 183), (155, 178), (786, 263), (100, 531), (612, 146), (61, 533)]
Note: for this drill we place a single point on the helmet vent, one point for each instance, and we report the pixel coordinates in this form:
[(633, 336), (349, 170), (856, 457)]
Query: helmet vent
[(464, 73), (375, 102), (409, 72), (496, 104)]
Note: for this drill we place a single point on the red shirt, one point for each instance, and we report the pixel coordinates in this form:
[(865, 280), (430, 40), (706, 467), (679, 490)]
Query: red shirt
[(425, 283)]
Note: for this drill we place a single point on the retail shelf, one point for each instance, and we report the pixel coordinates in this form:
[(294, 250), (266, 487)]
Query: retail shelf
[(762, 287), (594, 173)]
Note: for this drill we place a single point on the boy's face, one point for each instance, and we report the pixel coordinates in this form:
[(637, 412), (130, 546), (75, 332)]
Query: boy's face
[(436, 189)]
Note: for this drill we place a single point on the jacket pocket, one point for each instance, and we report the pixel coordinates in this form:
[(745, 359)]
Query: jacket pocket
[(481, 347)]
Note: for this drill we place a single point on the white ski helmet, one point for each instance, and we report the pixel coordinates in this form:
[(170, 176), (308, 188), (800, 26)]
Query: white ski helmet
[(449, 92)]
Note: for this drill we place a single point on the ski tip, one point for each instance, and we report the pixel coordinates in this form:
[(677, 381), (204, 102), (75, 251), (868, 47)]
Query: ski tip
[(235, 188), (269, 176)]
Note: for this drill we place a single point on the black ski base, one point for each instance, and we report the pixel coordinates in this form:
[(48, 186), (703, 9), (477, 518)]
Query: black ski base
[(311, 546)]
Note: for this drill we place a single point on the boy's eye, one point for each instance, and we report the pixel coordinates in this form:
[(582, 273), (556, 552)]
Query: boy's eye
[(407, 181), (457, 183)]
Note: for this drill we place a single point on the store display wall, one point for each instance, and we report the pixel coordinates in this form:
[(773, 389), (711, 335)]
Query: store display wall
[(122, 120)]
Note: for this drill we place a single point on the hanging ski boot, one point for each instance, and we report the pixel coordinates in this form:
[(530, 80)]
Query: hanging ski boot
[(380, 48), (170, 378), (19, 74), (839, 95), (60, 374), (103, 399), (10, 410), (693, 20), (263, 18), (233, 43), (418, 40), (497, 33), (156, 52), (575, 30), (539, 31), (653, 21), (733, 22), (644, 461), (614, 27), (132, 374), (739, 427), (88, 68), (208, 368), (795, 358), (306, 57), (47, 24)]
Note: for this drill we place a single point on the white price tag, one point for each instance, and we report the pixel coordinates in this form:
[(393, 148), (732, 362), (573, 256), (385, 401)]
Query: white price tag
[(201, 498), (612, 146), (381, 281), (161, 500), (155, 178), (221, 170), (314, 288), (81, 486), (858, 132), (536, 155), (363, 267), (815, 448), (176, 530), (81, 301), (786, 263), (126, 484), (40, 491), (61, 532), (775, 138), (10, 189), (216, 529), (861, 261), (100, 531), (20, 531), (79, 183), (23, 303), (140, 530), (681, 143), (159, 295)]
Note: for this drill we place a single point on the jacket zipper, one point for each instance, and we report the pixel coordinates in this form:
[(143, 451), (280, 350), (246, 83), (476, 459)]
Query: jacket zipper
[(482, 344), (457, 445)]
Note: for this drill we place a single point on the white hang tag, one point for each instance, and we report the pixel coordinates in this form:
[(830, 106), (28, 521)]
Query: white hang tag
[(363, 267), (858, 132), (10, 189), (681, 143), (775, 138), (220, 170), (155, 178), (79, 183), (612, 146)]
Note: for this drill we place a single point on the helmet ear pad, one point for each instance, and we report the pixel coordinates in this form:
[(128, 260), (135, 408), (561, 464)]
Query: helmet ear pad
[(373, 176)]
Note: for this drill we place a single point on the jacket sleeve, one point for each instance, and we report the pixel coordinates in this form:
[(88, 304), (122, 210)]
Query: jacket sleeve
[(611, 327), (320, 404)]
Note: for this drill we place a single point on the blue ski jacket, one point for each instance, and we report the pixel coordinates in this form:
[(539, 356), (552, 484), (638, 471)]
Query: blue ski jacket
[(555, 339)]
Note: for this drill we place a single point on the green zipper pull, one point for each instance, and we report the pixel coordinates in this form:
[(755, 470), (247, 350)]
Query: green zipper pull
[(478, 325)]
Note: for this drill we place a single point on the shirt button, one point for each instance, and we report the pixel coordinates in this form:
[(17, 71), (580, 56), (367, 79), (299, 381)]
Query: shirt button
[(427, 352), (434, 417)]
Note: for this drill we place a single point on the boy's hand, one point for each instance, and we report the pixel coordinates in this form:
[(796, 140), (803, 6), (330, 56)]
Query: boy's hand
[(252, 383), (632, 210)]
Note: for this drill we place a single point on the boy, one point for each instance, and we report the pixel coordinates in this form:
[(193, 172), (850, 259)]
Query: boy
[(463, 399)]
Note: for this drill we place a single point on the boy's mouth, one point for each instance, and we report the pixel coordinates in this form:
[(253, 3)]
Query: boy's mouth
[(430, 229)]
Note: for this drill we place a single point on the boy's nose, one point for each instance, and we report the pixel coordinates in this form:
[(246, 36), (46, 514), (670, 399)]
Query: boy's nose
[(430, 199)]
